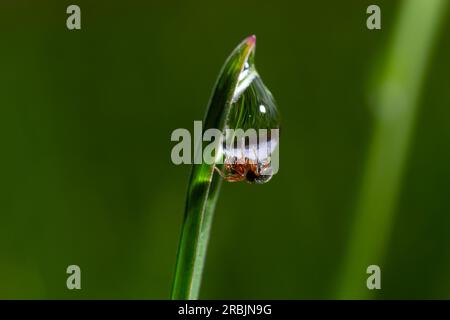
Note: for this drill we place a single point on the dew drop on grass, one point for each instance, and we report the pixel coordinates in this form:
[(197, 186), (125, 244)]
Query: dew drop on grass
[(252, 107)]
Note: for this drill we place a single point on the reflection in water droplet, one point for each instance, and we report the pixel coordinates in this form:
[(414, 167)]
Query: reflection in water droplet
[(253, 109)]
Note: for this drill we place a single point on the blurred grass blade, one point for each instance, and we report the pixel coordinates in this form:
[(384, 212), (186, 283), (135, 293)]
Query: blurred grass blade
[(204, 182), (396, 92)]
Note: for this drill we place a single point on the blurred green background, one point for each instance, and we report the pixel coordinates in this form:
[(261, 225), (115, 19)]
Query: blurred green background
[(86, 176)]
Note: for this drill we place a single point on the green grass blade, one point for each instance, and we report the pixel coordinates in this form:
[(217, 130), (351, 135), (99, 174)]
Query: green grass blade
[(205, 183), (396, 93)]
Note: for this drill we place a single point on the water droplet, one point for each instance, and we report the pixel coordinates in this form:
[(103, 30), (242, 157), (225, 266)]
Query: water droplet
[(253, 107)]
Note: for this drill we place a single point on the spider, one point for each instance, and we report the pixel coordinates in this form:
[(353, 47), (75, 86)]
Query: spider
[(245, 169)]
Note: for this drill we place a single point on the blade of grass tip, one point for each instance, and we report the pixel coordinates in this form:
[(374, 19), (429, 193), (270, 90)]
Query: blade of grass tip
[(205, 183), (396, 94)]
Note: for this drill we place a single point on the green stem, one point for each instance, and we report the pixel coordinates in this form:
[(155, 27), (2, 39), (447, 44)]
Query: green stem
[(205, 183), (396, 95)]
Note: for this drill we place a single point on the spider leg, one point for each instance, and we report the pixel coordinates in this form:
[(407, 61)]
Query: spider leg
[(220, 172), (264, 167), (235, 178)]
